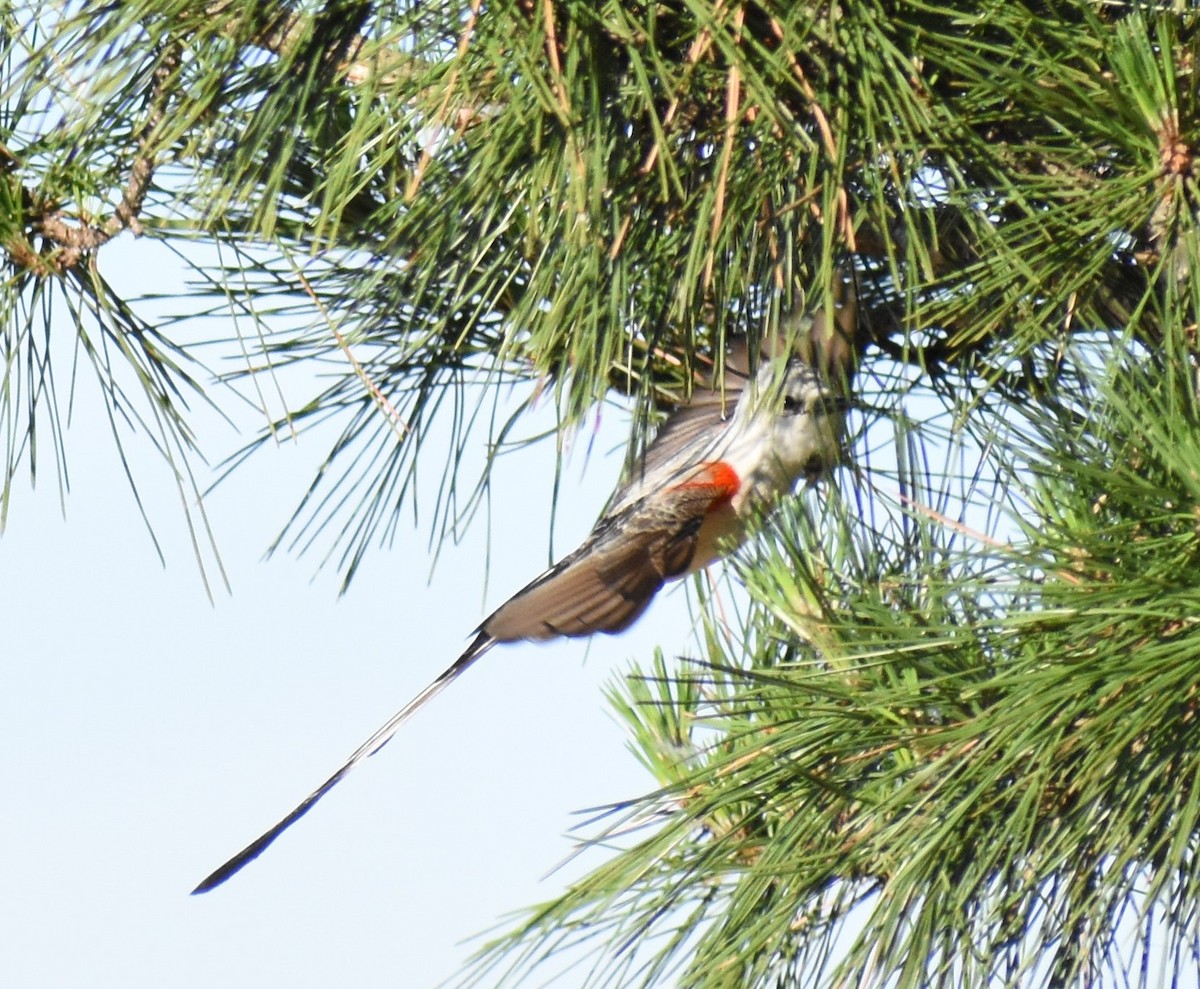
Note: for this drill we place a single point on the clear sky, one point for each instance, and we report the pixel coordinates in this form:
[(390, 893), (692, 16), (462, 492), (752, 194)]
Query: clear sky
[(150, 734)]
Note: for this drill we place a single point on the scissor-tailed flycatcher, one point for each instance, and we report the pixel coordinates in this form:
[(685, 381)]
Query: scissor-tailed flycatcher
[(700, 483)]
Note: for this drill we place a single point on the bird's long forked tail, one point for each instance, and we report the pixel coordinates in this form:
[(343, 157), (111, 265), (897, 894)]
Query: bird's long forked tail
[(482, 643)]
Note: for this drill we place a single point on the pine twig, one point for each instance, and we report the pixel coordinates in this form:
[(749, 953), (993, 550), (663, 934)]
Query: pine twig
[(77, 241)]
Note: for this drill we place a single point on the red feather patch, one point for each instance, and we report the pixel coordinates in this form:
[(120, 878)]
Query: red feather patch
[(718, 476)]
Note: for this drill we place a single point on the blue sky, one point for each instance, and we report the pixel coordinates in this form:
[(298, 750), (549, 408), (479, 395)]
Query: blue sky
[(150, 734)]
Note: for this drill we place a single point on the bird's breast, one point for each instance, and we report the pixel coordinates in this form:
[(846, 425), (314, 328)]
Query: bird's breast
[(721, 530)]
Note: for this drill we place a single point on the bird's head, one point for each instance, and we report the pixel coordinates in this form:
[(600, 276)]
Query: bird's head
[(805, 418)]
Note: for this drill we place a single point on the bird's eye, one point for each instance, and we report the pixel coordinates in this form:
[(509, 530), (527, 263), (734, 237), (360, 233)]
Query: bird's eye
[(791, 405)]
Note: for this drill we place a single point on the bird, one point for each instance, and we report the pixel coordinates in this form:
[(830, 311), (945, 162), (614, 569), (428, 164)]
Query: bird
[(719, 462)]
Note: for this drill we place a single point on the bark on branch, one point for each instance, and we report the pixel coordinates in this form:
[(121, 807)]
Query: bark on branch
[(71, 242)]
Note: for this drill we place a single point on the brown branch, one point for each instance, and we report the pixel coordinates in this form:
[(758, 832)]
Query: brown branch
[(399, 427), (552, 49), (76, 241)]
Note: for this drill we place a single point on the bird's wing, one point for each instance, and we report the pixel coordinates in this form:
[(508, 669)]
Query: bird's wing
[(648, 534), (611, 579), (690, 435)]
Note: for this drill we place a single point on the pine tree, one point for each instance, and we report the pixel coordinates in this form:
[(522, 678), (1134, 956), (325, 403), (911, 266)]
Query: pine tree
[(948, 741)]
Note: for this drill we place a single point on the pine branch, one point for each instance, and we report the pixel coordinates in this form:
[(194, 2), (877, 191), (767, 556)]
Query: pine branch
[(70, 243)]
